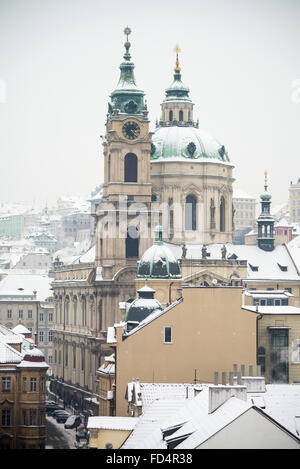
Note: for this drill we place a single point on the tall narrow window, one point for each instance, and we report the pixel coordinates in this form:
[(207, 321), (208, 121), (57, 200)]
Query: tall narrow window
[(170, 116), (191, 213), (171, 217), (108, 168), (100, 314), (132, 242), (212, 214), (181, 116), (83, 305), (168, 335), (222, 214), (130, 168)]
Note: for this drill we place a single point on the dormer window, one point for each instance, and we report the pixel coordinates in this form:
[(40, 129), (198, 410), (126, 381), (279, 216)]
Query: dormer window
[(284, 268), (254, 268)]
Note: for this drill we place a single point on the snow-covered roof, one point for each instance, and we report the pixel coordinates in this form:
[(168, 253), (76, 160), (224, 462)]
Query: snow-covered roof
[(191, 417), (8, 354), (87, 257), (112, 423), (20, 329), (147, 433), (268, 262), (240, 194), (24, 284), (150, 392), (273, 309)]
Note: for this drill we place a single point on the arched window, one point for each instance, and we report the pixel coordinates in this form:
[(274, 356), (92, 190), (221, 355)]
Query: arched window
[(132, 242), (170, 116), (153, 198), (191, 213), (181, 116), (130, 168), (222, 214)]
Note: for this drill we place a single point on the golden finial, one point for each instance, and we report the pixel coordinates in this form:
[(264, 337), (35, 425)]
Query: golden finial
[(177, 50), (266, 180)]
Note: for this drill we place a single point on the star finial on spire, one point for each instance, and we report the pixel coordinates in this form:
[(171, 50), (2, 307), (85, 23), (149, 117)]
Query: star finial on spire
[(127, 31), (127, 44), (177, 50)]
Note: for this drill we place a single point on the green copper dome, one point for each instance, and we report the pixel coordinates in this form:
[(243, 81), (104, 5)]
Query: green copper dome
[(158, 261), (142, 307), (177, 142)]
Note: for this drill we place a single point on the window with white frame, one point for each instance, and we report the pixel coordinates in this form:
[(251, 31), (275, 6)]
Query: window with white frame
[(6, 384), (168, 335)]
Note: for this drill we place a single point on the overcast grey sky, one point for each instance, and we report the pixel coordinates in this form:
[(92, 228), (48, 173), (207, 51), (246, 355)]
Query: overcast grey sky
[(59, 61)]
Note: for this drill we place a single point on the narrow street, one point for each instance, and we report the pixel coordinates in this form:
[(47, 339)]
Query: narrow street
[(57, 436)]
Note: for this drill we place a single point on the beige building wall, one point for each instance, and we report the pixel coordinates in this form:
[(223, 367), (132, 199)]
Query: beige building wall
[(210, 333), (99, 438), (290, 321)]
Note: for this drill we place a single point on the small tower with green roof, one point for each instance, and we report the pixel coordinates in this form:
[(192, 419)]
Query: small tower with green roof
[(265, 221)]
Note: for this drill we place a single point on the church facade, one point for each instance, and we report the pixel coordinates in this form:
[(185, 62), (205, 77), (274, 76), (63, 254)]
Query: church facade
[(177, 177)]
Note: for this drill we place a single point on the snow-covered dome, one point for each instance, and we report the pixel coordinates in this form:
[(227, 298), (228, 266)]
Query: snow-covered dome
[(183, 143), (141, 307), (158, 261)]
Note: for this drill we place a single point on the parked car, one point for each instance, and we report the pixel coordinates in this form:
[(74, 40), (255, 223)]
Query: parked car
[(73, 421), (58, 412), (62, 418), (50, 408)]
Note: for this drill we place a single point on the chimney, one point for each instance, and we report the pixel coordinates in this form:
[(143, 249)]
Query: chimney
[(216, 378), (197, 389), (220, 394)]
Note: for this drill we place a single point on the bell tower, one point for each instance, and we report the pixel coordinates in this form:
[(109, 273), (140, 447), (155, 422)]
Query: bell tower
[(265, 221), (123, 219)]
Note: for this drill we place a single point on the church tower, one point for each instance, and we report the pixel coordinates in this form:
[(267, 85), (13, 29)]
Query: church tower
[(191, 173), (123, 219), (265, 221)]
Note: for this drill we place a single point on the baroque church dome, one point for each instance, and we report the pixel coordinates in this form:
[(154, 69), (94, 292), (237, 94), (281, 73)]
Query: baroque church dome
[(181, 143), (177, 137), (158, 261)]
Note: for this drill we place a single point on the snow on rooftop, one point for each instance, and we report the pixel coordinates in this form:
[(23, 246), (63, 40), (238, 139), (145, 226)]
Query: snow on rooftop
[(268, 262), (112, 423), (274, 309), (25, 284), (240, 194)]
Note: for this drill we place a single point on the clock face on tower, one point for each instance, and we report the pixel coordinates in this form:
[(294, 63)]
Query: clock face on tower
[(131, 130)]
